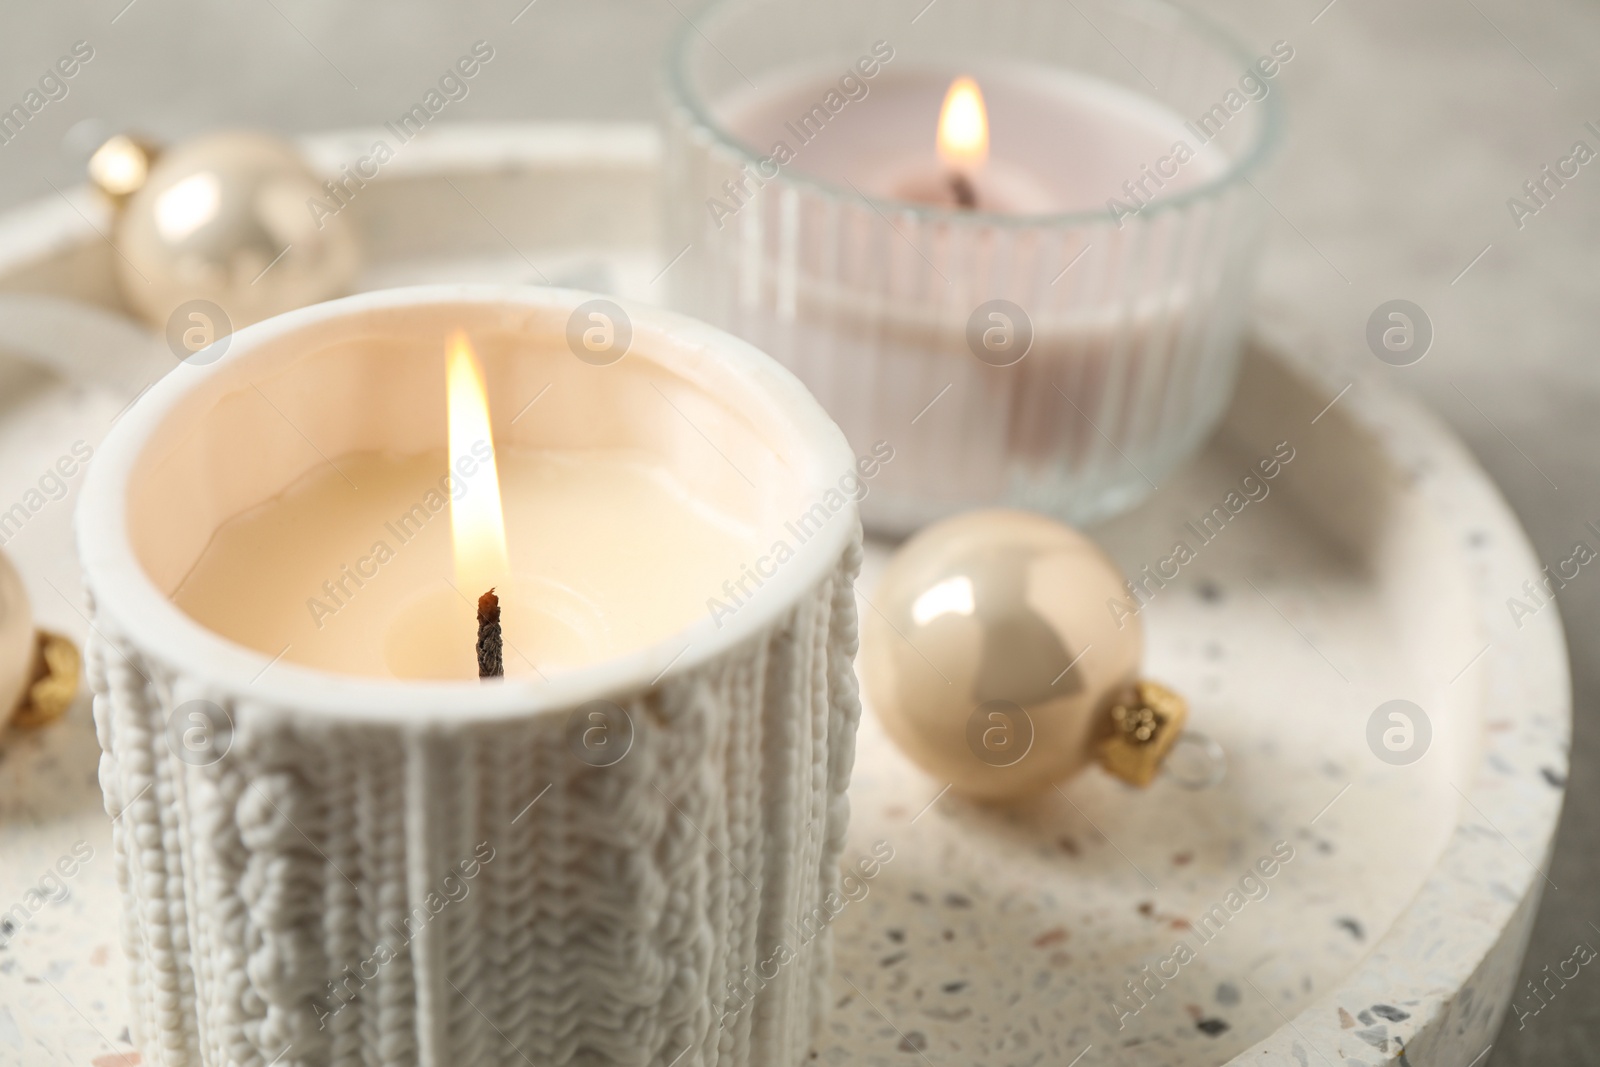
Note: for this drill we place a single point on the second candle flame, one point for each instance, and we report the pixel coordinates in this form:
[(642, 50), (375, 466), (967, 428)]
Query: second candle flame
[(477, 523), (963, 139)]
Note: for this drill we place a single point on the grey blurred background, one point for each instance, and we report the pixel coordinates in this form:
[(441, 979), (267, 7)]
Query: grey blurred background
[(1412, 125)]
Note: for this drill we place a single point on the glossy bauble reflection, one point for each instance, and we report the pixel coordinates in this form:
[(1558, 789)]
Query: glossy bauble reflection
[(991, 657), (232, 219)]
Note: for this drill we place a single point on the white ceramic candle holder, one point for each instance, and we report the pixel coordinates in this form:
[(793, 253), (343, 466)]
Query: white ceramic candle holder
[(329, 869)]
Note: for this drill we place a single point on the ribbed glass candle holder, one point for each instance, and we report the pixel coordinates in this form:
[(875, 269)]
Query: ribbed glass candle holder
[(1060, 361)]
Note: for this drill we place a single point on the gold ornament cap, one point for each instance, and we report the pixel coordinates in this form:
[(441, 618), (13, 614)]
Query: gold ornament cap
[(56, 666), (1138, 731)]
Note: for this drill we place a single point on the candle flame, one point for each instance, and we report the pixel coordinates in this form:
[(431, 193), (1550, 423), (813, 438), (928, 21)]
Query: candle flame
[(477, 524), (963, 139)]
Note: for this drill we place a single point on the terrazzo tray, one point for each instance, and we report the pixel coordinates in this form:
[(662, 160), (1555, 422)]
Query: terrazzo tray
[(1377, 568)]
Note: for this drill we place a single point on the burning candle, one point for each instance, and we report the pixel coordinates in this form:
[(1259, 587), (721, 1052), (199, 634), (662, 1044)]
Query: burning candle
[(1014, 245), (269, 539)]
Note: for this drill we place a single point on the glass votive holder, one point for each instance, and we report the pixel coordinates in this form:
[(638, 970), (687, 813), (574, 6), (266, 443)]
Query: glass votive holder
[(1056, 326)]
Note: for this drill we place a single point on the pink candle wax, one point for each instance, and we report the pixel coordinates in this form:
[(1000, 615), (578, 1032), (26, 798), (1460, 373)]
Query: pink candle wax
[(1059, 142)]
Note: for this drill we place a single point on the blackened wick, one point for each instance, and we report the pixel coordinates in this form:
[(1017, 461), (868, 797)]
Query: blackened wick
[(491, 663)]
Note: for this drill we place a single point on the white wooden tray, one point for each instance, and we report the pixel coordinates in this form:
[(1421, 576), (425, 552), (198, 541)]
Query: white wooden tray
[(1378, 568)]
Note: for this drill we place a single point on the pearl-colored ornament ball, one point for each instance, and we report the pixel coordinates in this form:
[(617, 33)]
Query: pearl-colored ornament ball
[(16, 640), (226, 218), (991, 657)]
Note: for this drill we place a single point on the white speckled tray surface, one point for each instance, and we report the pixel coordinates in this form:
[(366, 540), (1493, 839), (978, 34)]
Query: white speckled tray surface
[(1377, 568)]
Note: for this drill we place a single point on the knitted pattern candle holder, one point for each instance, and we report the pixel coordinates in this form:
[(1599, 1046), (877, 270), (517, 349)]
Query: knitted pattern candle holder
[(321, 869)]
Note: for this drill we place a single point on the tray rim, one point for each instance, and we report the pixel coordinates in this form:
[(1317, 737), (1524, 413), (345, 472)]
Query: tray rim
[(1482, 924), (1460, 494)]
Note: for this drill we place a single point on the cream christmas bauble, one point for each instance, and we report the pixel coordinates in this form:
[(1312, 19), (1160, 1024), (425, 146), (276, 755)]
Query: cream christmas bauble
[(228, 219), (992, 659), (16, 640), (38, 669)]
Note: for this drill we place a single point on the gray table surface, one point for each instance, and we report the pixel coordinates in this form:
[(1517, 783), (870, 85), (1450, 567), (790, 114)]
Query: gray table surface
[(1412, 125)]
